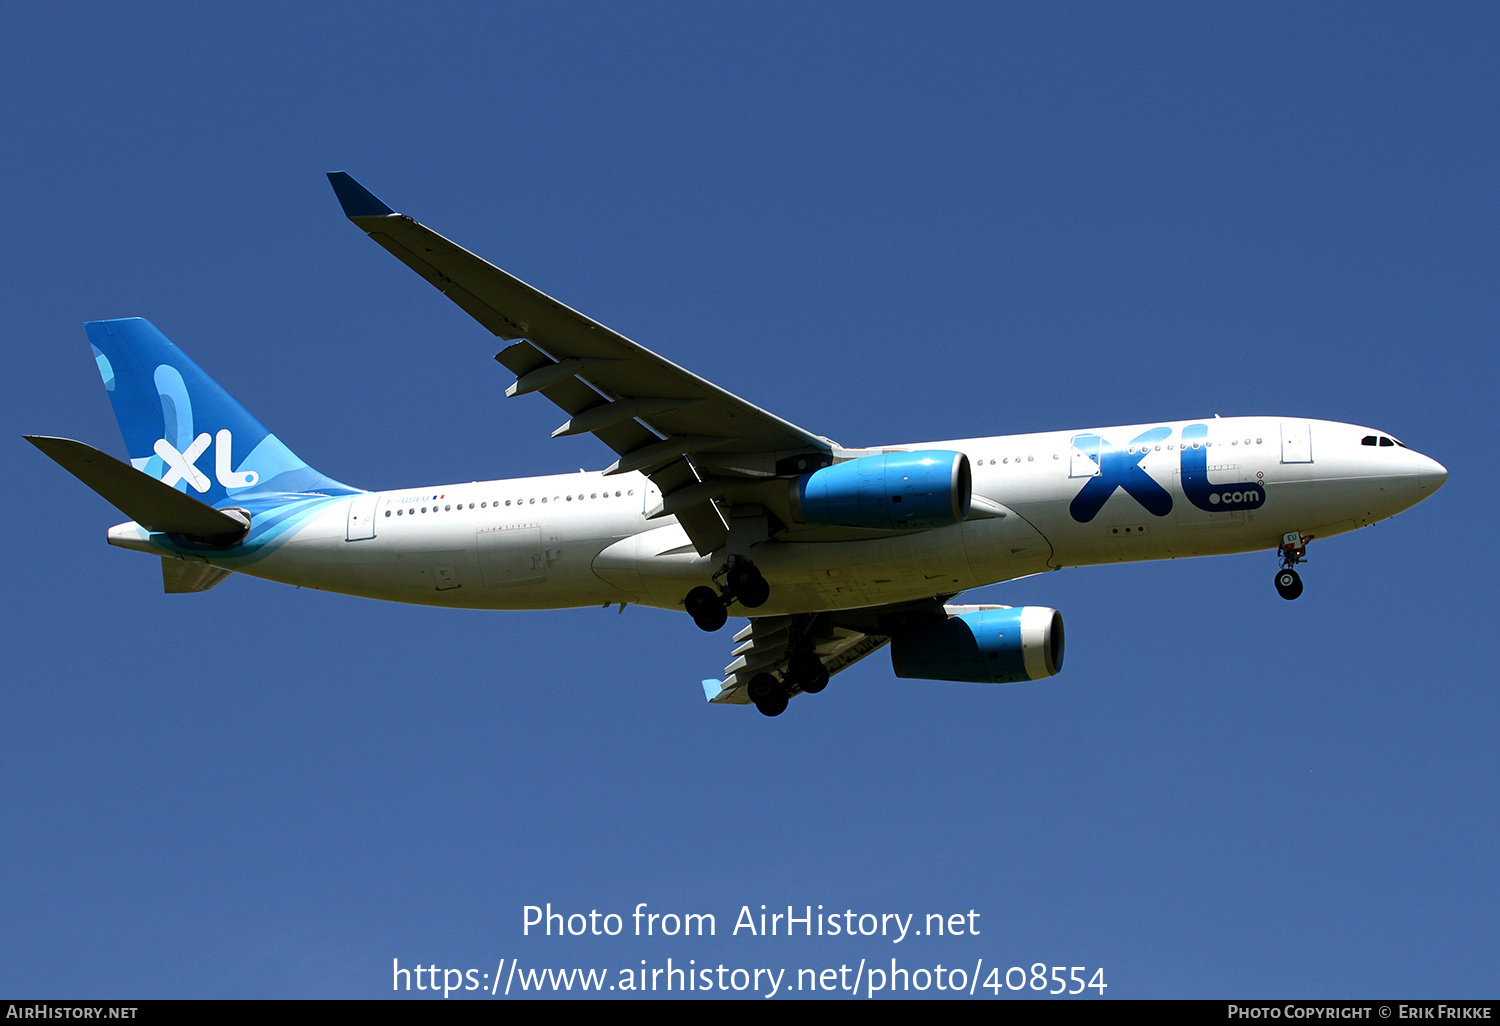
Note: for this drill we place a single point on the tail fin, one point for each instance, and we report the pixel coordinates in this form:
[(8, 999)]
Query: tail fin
[(172, 414)]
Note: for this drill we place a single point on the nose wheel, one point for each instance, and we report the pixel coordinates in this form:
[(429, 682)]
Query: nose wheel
[(1293, 550)]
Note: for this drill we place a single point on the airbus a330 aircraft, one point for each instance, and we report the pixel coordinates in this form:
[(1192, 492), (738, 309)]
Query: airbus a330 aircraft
[(715, 505)]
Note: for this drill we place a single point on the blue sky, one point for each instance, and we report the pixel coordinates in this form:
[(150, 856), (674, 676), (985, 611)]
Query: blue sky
[(885, 223)]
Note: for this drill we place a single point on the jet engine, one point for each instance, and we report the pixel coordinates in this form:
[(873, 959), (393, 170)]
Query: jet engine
[(991, 646), (911, 491)]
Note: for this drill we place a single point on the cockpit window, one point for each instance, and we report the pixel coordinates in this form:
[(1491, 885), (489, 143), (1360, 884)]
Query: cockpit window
[(1386, 441), (1367, 440)]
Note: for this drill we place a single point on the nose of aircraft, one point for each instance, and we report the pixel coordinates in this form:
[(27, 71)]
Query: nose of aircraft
[(1431, 475), (1411, 478)]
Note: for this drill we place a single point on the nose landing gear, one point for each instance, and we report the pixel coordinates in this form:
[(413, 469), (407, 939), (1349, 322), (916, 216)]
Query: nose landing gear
[(1293, 551), (739, 581)]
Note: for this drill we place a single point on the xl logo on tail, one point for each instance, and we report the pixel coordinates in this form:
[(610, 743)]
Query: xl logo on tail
[(183, 466)]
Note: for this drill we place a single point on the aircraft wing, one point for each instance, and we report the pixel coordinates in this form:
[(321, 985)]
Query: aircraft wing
[(685, 433), (840, 639), (764, 648)]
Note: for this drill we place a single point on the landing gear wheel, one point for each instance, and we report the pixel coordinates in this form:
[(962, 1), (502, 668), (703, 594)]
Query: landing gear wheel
[(1288, 583), (774, 706), (768, 694), (747, 585), (808, 671), (754, 594), (706, 608)]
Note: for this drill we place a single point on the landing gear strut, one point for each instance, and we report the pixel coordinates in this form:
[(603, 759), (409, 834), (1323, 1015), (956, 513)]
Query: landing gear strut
[(1293, 551), (804, 672), (739, 581)]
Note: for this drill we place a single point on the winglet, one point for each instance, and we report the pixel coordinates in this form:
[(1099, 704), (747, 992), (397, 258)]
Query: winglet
[(712, 689), (356, 200)]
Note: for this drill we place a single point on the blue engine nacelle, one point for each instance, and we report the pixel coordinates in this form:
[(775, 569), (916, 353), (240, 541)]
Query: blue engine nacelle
[(893, 491), (992, 646)]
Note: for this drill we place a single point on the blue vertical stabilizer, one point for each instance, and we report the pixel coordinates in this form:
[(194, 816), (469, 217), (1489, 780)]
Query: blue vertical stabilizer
[(183, 429)]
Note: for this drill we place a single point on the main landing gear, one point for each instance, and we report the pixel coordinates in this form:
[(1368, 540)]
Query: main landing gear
[(804, 672), (1293, 551), (739, 581)]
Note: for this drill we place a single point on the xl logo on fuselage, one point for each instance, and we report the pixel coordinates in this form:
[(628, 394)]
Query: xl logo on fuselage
[(1203, 493), (182, 466), (1121, 469)]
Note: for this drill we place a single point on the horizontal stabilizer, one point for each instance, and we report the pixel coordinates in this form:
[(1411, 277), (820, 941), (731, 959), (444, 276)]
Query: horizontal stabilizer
[(184, 575), (155, 506)]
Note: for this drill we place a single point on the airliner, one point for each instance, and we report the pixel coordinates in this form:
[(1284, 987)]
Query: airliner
[(714, 505)]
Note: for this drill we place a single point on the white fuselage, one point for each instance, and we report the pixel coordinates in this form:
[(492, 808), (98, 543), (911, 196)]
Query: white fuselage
[(582, 539)]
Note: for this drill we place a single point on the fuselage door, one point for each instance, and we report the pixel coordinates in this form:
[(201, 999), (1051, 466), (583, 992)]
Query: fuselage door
[(1085, 458), (1296, 441), (362, 516), (511, 554)]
